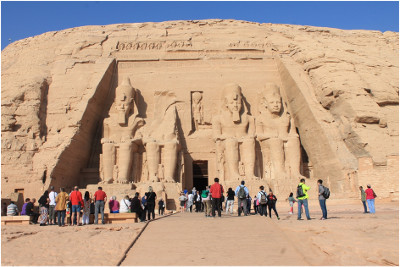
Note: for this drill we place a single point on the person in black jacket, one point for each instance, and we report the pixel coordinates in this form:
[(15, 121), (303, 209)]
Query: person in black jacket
[(136, 207), (271, 200), (29, 211), (151, 203)]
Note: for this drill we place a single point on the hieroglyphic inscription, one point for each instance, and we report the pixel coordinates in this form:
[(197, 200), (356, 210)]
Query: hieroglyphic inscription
[(156, 45), (248, 44)]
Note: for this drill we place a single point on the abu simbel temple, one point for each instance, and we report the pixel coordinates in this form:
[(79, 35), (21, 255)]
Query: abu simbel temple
[(176, 104)]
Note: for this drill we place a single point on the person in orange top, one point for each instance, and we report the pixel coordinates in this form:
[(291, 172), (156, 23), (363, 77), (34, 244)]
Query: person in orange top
[(216, 191), (100, 197), (76, 202)]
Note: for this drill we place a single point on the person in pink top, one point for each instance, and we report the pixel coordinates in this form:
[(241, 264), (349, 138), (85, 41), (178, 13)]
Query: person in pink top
[(76, 202), (113, 205), (370, 196), (216, 191)]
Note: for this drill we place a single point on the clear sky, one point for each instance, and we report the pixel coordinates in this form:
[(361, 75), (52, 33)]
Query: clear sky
[(21, 19)]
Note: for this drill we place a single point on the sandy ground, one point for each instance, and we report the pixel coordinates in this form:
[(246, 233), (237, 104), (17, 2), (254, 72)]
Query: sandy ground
[(349, 237)]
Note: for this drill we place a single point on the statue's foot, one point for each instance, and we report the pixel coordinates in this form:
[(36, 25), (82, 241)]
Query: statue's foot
[(169, 180)]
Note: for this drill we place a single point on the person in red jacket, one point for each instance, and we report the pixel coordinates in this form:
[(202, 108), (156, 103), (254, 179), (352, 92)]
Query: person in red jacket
[(370, 195), (216, 191), (76, 202)]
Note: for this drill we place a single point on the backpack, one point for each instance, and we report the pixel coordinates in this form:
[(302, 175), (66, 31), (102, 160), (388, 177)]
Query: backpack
[(300, 192), (204, 194), (326, 192), (242, 193), (263, 199)]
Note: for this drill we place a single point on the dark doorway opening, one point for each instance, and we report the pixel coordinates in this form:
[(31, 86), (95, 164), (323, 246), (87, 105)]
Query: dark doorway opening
[(200, 174)]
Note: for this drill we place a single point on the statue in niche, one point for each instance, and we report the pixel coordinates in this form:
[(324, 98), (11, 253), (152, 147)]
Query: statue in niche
[(119, 140), (231, 127), (280, 144), (197, 109), (162, 133)]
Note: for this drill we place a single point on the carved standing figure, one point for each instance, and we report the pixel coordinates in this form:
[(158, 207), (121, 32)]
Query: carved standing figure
[(162, 134), (197, 109), (276, 132), (231, 127), (119, 135)]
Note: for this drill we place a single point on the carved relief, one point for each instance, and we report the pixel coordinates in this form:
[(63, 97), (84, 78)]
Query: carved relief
[(119, 140), (279, 141), (156, 45), (197, 109), (233, 126)]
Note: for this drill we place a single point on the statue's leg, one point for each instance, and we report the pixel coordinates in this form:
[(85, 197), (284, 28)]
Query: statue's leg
[(153, 159), (249, 157), (136, 168), (170, 161), (265, 150), (232, 158), (293, 157), (124, 162), (277, 157), (108, 162)]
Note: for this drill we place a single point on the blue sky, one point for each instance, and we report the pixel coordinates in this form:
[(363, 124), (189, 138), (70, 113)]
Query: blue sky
[(20, 19)]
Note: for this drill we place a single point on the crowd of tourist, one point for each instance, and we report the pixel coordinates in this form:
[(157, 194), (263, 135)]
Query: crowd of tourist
[(55, 207)]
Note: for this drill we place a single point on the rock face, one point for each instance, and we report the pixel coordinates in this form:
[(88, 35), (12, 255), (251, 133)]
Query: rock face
[(64, 121)]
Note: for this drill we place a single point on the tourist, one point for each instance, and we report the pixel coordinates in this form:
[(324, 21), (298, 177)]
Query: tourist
[(68, 212), (151, 203), (76, 201), (216, 191), (52, 205), (12, 209), (370, 196), (44, 208), (222, 201), (61, 206), (194, 191), (23, 211), (197, 201), (29, 211), (113, 204), (322, 200), (124, 205), (255, 204), (271, 203), (136, 207), (189, 202), (230, 196), (182, 201), (86, 208), (248, 203), (291, 200), (205, 195), (363, 199), (241, 193), (144, 207), (100, 197), (302, 200), (161, 207), (262, 202)]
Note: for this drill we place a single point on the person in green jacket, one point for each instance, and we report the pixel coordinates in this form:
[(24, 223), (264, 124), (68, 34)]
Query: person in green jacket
[(363, 199), (303, 200)]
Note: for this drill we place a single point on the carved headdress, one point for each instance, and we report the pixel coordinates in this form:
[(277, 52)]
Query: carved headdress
[(124, 100), (233, 91)]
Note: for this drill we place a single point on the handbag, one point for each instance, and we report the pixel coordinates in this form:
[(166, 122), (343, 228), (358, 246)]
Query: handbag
[(373, 192)]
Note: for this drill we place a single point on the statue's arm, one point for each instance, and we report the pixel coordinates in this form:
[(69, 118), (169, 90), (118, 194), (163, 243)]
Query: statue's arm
[(217, 129)]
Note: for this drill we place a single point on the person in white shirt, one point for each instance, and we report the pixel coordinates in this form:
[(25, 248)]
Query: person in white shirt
[(124, 205), (52, 205)]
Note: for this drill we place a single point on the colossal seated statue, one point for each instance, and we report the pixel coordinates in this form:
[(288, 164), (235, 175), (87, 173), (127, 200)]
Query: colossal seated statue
[(120, 141), (231, 127), (277, 135), (162, 134)]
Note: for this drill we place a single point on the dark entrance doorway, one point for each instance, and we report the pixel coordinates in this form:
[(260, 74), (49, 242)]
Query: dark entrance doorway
[(200, 174)]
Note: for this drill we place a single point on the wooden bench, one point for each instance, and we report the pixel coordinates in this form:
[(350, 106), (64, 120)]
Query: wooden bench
[(7, 220), (117, 217)]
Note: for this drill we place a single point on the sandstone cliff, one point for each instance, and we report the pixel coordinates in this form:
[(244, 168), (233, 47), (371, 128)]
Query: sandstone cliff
[(341, 86)]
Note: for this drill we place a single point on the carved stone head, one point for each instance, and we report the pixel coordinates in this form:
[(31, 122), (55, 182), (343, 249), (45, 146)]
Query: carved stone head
[(124, 100), (196, 97), (271, 98), (232, 95)]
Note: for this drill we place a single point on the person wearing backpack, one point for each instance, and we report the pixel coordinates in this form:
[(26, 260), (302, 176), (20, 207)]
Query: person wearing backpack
[(322, 199), (302, 198), (262, 202), (205, 196), (242, 192)]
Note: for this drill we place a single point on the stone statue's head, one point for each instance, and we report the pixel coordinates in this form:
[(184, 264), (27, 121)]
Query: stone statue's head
[(232, 95), (271, 98), (196, 97), (124, 100)]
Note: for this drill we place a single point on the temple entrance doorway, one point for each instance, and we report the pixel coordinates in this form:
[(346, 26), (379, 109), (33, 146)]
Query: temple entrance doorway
[(200, 174)]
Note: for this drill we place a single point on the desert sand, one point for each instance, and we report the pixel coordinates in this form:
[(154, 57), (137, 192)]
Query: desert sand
[(348, 237)]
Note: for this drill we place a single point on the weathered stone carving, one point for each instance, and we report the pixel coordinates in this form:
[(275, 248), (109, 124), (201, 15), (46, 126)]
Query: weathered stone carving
[(232, 127), (161, 137), (197, 109), (119, 141), (277, 135)]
